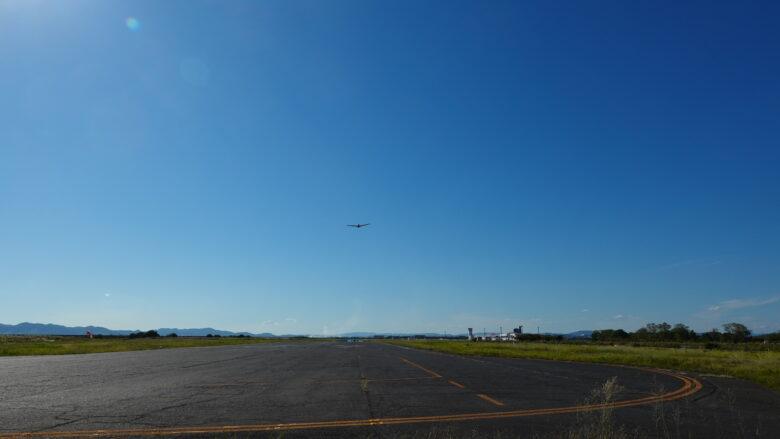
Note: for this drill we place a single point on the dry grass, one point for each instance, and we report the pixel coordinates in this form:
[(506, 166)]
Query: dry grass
[(59, 345)]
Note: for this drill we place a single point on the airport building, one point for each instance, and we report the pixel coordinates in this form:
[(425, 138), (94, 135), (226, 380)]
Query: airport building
[(509, 336)]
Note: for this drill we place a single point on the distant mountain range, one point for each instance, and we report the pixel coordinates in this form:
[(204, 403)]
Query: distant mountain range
[(578, 334), (50, 329)]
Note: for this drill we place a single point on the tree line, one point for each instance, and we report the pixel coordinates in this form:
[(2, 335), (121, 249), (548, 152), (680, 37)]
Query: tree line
[(732, 332)]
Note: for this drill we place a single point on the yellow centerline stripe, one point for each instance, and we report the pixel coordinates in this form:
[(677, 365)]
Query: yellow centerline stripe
[(489, 399), (432, 373), (457, 384)]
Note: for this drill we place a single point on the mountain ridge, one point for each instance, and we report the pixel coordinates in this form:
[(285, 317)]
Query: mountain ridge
[(27, 328)]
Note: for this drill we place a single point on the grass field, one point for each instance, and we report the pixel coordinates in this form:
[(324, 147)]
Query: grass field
[(58, 345), (759, 367)]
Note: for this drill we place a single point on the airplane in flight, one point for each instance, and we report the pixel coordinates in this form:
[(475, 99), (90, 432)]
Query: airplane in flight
[(357, 226)]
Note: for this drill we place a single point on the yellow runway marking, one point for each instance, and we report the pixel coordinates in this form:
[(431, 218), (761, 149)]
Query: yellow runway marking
[(489, 399), (433, 374), (689, 387), (457, 384)]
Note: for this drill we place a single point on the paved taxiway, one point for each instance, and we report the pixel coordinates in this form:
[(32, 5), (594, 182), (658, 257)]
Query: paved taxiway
[(313, 389)]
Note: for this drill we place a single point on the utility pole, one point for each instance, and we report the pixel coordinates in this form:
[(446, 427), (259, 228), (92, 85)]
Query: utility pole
[(500, 330), (537, 330)]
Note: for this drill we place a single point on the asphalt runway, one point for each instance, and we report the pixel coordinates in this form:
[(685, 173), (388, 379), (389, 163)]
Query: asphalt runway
[(327, 389)]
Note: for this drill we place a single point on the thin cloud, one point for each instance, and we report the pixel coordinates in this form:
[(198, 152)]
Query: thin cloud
[(585, 310), (742, 303), (618, 317), (291, 320)]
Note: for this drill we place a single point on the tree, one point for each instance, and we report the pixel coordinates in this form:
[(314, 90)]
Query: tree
[(712, 336), (652, 328), (641, 334), (659, 331), (665, 331), (621, 334), (736, 332), (148, 334), (681, 332), (775, 336), (609, 334)]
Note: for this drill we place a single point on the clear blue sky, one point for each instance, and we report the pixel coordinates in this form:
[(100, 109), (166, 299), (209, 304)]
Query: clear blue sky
[(568, 165)]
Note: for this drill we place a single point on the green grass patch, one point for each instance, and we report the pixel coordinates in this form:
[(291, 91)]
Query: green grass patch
[(60, 345), (757, 366)]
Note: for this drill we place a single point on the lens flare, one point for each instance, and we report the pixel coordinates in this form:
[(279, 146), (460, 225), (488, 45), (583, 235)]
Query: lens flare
[(133, 24)]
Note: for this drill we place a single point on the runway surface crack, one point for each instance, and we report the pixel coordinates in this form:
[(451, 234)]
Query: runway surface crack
[(366, 393)]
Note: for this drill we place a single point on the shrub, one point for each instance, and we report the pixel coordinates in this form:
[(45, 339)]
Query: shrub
[(148, 334)]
